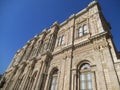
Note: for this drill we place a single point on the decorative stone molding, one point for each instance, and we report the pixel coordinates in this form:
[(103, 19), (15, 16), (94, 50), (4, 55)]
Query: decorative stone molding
[(101, 45)]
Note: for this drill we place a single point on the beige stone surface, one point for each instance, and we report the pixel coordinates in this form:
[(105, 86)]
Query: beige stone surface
[(33, 65)]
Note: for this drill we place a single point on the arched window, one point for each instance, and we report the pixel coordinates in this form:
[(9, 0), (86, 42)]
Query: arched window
[(85, 77), (54, 78)]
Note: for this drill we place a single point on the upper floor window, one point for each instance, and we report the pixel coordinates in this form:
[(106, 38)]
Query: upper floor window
[(83, 30), (60, 40)]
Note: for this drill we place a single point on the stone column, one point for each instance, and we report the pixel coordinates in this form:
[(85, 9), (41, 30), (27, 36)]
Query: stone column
[(39, 82), (101, 82), (24, 80), (16, 78), (74, 79), (11, 76), (52, 42), (29, 49), (39, 47), (67, 73), (110, 73), (37, 76), (30, 68), (47, 82)]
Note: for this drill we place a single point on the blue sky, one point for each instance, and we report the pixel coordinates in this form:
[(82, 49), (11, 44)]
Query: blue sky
[(20, 20)]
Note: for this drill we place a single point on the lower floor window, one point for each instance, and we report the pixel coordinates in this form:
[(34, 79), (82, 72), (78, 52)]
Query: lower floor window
[(85, 77), (54, 83), (85, 81), (54, 80)]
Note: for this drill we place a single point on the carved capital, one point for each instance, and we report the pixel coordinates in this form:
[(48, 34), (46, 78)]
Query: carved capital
[(101, 45)]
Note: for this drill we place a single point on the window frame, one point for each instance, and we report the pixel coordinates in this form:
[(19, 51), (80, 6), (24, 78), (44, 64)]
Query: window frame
[(85, 72), (82, 30), (54, 75), (61, 40)]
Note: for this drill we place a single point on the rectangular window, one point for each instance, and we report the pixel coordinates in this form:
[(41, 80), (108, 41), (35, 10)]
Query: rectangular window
[(60, 40), (85, 81)]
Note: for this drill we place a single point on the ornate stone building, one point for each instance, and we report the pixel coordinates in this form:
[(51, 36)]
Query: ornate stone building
[(78, 54)]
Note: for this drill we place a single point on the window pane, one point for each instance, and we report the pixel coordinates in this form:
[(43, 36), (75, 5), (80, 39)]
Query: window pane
[(82, 77), (90, 85), (80, 29), (54, 83), (80, 32), (89, 76), (52, 87), (62, 40), (85, 29), (85, 66), (82, 86)]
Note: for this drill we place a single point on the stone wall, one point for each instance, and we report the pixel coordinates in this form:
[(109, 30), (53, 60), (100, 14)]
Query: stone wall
[(61, 51)]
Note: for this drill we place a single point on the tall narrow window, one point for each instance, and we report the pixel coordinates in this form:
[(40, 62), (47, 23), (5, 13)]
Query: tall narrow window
[(85, 78), (62, 40), (45, 46), (85, 29), (58, 43), (80, 32), (54, 79)]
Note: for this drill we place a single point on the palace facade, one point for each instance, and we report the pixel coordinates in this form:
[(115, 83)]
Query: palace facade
[(78, 54)]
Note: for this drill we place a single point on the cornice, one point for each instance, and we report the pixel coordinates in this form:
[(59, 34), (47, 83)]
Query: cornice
[(82, 43), (79, 13), (98, 35), (55, 24), (62, 50)]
